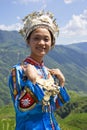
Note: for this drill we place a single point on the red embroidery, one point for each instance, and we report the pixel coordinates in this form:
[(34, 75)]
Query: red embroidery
[(26, 101), (57, 104), (33, 62)]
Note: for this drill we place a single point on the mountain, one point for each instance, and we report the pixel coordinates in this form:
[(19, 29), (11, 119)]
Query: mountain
[(71, 59), (79, 47)]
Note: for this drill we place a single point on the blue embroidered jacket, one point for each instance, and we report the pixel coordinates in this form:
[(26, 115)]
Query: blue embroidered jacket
[(27, 98)]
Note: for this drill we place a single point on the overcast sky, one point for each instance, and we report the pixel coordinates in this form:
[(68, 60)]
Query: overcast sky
[(71, 16)]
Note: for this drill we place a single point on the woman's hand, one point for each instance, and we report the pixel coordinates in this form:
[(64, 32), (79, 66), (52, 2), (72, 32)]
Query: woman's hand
[(30, 72), (59, 75)]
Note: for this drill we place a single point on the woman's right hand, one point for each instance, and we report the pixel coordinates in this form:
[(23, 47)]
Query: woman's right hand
[(30, 72)]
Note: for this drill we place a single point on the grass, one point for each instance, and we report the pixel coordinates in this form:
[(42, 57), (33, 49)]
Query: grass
[(74, 121)]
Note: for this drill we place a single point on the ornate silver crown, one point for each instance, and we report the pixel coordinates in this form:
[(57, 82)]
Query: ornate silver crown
[(39, 19)]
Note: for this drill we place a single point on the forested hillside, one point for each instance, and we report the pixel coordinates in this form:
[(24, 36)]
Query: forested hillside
[(71, 59)]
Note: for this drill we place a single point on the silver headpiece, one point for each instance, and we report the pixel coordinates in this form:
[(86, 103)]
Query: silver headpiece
[(39, 19)]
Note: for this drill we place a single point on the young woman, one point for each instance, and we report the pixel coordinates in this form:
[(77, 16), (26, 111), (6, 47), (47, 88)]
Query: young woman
[(35, 93)]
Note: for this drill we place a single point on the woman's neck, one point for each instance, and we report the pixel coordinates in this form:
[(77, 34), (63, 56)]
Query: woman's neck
[(37, 59)]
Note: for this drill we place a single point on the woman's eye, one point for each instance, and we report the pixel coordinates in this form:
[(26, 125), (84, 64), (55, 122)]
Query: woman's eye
[(36, 38), (46, 39)]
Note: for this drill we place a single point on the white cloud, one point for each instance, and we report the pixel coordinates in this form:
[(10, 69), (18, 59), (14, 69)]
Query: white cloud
[(18, 18), (12, 27), (76, 26), (71, 1), (68, 1), (25, 1), (75, 30)]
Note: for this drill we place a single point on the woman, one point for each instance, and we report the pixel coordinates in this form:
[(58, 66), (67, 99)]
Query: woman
[(34, 90)]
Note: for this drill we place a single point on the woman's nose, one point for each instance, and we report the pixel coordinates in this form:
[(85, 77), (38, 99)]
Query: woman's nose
[(42, 41)]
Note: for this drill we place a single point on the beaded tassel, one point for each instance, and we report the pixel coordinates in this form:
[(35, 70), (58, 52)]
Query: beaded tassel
[(14, 81)]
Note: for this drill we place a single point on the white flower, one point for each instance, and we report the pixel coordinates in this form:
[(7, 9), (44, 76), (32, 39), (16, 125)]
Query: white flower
[(26, 102)]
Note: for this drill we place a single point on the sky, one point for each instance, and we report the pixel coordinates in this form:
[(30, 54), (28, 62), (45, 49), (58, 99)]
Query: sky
[(71, 16)]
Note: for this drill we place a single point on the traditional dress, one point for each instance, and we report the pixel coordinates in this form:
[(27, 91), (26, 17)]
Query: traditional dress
[(35, 103)]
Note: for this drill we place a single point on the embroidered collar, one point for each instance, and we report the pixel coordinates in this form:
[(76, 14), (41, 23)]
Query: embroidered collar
[(33, 62)]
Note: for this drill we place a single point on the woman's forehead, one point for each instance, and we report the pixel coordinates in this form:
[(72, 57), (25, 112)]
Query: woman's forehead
[(40, 31)]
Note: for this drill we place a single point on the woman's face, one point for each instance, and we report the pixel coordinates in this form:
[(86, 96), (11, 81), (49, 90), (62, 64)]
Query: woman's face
[(40, 42)]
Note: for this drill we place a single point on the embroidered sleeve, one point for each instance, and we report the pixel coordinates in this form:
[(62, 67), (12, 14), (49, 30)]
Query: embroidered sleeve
[(13, 84), (27, 93), (62, 97)]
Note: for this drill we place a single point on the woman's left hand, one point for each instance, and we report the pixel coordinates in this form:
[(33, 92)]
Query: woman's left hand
[(59, 75)]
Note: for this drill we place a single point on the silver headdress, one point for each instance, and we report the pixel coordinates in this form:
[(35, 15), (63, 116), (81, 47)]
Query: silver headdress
[(39, 19)]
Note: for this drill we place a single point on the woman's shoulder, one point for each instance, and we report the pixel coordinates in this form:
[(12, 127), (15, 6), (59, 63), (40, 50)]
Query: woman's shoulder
[(18, 65)]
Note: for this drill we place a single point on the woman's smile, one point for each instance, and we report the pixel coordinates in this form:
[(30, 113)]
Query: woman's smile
[(39, 48)]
